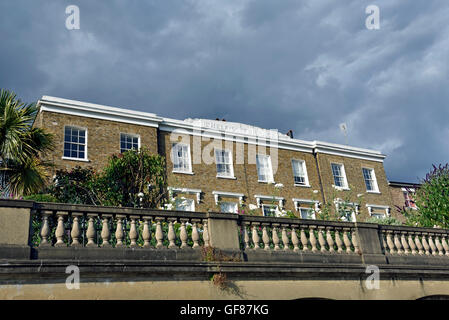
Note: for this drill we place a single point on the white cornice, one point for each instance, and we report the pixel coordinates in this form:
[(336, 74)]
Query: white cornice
[(84, 109), (227, 131)]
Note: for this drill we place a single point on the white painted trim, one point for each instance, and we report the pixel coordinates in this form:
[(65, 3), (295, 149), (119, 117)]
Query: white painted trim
[(343, 171), (373, 173), (259, 198), (90, 110), (297, 201), (231, 163), (204, 127), (186, 190), (190, 170), (270, 169), (86, 158), (218, 194), (306, 175), (129, 134)]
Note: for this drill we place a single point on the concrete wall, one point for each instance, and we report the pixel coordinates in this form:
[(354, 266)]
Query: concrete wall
[(246, 289)]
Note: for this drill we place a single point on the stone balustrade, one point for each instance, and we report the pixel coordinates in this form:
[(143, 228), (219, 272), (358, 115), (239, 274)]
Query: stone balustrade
[(414, 241), (89, 226), (298, 235), (65, 231)]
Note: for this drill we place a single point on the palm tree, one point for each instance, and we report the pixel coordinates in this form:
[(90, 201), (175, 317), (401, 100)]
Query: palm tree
[(20, 146)]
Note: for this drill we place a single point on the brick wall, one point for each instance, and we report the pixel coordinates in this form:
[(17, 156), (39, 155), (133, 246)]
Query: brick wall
[(353, 168), (103, 138)]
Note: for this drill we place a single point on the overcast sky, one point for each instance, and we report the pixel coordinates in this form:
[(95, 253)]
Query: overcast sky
[(279, 64)]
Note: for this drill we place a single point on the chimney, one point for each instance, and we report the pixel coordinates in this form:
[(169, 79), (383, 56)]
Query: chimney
[(290, 133)]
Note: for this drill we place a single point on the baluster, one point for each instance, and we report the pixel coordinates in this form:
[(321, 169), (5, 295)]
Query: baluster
[(146, 232), (45, 229), (432, 245), (256, 239), (195, 234), (245, 236), (404, 243), (338, 241), (397, 243), (419, 246), (183, 234), (312, 238), (321, 239), (355, 242), (119, 232), (133, 235), (384, 242), (75, 233), (295, 240), (346, 240), (329, 239), (159, 234), (59, 233), (265, 238), (390, 242), (105, 233), (275, 237), (411, 243), (171, 235), (438, 245), (206, 237), (304, 240), (285, 239), (425, 244), (90, 233), (445, 245)]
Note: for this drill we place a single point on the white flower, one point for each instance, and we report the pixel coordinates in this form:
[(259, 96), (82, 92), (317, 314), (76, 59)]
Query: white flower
[(169, 206), (315, 191), (252, 206), (140, 194)]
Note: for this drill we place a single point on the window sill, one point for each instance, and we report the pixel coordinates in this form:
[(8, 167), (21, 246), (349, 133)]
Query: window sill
[(183, 172), (374, 192), (303, 185), (75, 159), (341, 188), (225, 177), (268, 182)]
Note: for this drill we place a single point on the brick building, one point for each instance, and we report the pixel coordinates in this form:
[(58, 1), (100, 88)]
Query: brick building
[(223, 166)]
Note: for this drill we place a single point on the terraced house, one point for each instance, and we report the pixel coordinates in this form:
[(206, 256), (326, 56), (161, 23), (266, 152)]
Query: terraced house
[(224, 166)]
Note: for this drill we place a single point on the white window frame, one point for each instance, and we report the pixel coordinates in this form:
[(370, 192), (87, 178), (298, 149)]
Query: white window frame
[(270, 178), (192, 204), (85, 159), (260, 198), (381, 207), (218, 194), (197, 192), (236, 208), (231, 164), (355, 212), (299, 206), (275, 207), (373, 178), (131, 135), (189, 160), (306, 176), (343, 174)]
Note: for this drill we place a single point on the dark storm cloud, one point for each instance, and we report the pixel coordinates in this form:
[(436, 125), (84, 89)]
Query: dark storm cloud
[(301, 65)]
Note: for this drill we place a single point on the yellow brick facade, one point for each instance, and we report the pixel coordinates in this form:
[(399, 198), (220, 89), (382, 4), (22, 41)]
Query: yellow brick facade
[(103, 140)]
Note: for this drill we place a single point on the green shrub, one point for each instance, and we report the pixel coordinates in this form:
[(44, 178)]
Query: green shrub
[(388, 221), (41, 197)]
